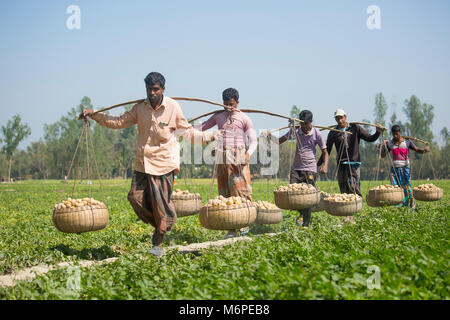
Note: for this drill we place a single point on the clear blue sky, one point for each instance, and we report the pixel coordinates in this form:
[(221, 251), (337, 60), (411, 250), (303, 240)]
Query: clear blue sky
[(315, 54)]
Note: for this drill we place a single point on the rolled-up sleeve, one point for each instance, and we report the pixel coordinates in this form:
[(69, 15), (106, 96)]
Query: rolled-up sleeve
[(185, 130), (125, 120), (251, 135)]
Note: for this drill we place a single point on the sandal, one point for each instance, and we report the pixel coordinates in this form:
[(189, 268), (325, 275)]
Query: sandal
[(299, 220)]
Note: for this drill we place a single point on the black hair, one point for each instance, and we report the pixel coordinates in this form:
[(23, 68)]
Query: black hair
[(155, 78), (306, 116), (229, 94), (396, 128)]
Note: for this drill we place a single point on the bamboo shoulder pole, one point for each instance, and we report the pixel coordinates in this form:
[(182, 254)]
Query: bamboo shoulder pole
[(119, 105), (415, 139), (174, 98), (322, 129), (367, 124)]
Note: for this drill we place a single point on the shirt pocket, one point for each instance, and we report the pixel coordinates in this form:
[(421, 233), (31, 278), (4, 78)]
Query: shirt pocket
[(165, 133)]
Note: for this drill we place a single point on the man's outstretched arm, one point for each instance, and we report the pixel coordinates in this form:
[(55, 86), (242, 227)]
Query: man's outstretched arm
[(127, 119)]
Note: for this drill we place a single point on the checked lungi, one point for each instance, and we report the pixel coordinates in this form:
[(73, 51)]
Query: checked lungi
[(309, 177), (401, 176), (233, 173), (150, 198), (349, 180)]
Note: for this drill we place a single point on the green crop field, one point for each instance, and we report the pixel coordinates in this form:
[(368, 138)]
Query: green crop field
[(410, 250)]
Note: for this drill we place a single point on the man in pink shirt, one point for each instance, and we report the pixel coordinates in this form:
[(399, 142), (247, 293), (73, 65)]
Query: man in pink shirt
[(233, 170), (160, 123)]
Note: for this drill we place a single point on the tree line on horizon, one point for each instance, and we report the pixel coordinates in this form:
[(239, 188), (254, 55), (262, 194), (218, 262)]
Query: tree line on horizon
[(51, 155)]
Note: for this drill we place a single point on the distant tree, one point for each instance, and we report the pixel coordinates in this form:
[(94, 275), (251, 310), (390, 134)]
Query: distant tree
[(394, 119), (13, 133), (444, 163), (380, 109), (419, 116), (295, 111), (445, 136), (368, 152), (126, 146)]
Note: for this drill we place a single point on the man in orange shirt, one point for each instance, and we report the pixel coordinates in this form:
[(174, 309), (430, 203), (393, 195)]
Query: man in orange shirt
[(160, 123)]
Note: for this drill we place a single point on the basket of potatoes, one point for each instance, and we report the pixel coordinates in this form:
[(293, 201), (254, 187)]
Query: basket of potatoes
[(80, 215), (384, 195), (267, 213), (230, 213), (342, 204), (428, 192), (186, 203), (296, 196)]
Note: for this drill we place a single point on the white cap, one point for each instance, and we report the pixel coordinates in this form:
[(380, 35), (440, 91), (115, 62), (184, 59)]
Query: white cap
[(339, 112)]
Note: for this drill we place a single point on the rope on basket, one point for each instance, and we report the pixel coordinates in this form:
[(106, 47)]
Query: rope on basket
[(88, 140)]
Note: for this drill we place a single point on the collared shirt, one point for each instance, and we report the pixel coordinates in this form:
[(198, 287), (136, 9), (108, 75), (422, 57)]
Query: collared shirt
[(352, 153), (237, 126), (305, 154), (158, 149)]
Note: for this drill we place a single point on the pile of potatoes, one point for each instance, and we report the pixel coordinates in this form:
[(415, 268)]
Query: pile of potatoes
[(265, 205), (427, 187), (342, 197), (222, 202), (324, 194), (179, 192), (386, 187), (297, 187), (77, 203)]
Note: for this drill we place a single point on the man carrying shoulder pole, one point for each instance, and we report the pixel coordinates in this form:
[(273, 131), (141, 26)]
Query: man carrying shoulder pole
[(348, 157), (160, 122)]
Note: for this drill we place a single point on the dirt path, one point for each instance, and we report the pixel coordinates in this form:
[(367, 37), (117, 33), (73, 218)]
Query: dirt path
[(10, 280)]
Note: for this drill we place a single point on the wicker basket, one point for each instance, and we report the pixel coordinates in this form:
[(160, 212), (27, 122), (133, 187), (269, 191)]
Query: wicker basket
[(230, 218), (431, 195), (269, 216), (343, 208), (370, 201), (187, 205), (320, 206), (81, 219), (296, 200), (380, 198)]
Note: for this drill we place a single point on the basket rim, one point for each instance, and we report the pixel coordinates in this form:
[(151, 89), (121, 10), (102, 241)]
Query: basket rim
[(269, 210), (228, 208), (186, 197), (437, 189), (80, 209), (296, 192), (386, 191), (359, 199)]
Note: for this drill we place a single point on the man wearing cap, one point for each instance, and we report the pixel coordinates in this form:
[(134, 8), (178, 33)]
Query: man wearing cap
[(348, 157), (304, 168)]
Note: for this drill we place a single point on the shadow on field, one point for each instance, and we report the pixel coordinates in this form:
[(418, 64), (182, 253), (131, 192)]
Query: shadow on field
[(179, 236), (261, 229), (101, 253)]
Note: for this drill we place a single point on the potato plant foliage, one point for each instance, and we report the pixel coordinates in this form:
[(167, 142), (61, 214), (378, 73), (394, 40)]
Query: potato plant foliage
[(410, 249)]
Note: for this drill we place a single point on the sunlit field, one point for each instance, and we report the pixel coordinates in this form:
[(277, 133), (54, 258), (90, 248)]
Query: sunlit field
[(410, 250)]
